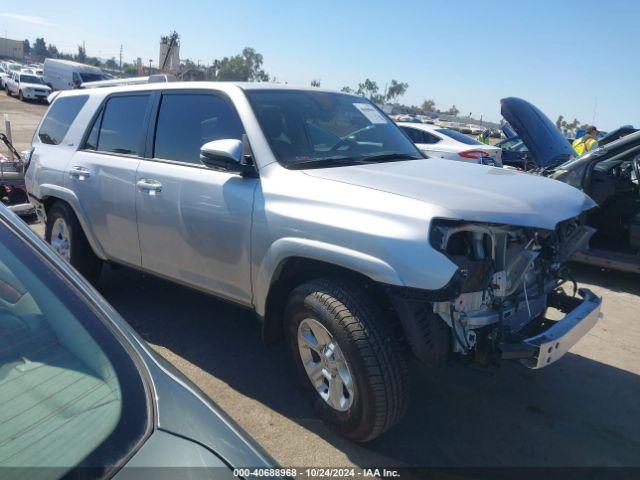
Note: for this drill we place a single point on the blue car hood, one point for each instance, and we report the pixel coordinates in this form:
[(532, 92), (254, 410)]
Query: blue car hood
[(545, 142)]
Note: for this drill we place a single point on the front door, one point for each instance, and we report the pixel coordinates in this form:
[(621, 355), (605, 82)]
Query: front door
[(194, 223)]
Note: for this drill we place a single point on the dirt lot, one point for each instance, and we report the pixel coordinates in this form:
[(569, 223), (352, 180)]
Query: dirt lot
[(583, 411)]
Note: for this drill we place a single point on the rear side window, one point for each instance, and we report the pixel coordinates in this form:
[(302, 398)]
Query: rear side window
[(187, 121), (460, 137), (120, 126), (59, 118)]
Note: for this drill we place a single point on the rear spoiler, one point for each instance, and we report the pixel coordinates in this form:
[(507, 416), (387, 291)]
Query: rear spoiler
[(119, 82)]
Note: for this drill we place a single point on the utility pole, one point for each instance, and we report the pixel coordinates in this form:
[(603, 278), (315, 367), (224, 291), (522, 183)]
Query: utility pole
[(120, 58)]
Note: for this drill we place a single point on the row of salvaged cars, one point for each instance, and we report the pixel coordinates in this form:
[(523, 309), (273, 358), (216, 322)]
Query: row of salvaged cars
[(314, 210)]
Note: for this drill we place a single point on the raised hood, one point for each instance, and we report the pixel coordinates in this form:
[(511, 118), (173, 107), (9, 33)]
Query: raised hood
[(465, 191), (545, 142)]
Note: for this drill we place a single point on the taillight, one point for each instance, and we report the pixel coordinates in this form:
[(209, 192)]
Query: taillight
[(476, 154)]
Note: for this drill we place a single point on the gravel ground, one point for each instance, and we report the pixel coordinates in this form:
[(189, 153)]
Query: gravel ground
[(583, 411)]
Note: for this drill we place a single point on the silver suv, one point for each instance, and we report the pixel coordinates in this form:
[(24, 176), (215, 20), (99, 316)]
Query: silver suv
[(313, 209)]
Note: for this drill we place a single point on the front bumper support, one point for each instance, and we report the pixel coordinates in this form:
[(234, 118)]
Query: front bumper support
[(549, 345)]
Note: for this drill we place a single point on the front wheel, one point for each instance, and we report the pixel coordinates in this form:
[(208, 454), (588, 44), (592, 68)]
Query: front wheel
[(6, 90), (347, 357), (64, 233), (20, 96)]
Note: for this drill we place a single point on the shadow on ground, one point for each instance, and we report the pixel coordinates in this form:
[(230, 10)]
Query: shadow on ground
[(579, 413)]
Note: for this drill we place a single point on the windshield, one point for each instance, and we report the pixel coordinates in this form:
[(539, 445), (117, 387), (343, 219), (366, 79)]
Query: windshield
[(330, 129), (30, 79), (91, 77), (460, 137)]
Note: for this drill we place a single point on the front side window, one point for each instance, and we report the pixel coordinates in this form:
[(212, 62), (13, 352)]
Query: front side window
[(59, 118), (187, 121), (122, 125), (71, 394), (313, 129)]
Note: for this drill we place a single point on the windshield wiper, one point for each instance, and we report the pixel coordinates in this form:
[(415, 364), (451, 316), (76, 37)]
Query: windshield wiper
[(388, 157), (340, 161)]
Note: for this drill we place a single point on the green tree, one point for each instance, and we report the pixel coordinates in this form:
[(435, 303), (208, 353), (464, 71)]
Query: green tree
[(246, 67), (82, 54), (39, 49), (428, 105), (453, 110), (111, 63), (52, 51), (346, 89), (26, 47), (368, 88), (315, 83), (396, 90), (560, 122)]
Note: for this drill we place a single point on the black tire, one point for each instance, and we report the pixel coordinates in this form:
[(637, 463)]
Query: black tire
[(20, 96), (6, 90), (81, 254), (367, 341)]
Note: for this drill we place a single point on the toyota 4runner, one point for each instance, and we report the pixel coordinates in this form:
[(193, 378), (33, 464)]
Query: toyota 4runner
[(316, 211)]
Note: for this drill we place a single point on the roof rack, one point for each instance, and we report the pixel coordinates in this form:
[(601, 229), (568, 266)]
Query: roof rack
[(119, 82)]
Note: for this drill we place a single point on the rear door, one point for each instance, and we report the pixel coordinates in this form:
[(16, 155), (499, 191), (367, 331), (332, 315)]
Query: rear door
[(194, 222), (103, 174)]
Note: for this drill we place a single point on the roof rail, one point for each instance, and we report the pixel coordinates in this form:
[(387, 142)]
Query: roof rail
[(119, 82)]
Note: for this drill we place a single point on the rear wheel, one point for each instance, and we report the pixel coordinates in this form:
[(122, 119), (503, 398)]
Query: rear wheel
[(347, 357), (64, 233)]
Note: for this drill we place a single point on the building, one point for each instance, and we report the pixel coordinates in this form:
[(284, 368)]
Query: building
[(169, 53), (11, 48)]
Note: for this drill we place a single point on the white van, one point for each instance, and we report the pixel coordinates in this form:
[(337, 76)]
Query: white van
[(66, 75)]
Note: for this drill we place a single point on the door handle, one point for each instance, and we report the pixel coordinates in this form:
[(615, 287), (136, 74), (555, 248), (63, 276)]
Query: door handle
[(151, 186), (80, 173)]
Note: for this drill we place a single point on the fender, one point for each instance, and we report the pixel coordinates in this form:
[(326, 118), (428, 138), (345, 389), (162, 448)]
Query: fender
[(288, 247), (55, 191)]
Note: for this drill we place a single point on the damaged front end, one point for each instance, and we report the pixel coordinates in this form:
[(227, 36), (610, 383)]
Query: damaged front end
[(507, 286)]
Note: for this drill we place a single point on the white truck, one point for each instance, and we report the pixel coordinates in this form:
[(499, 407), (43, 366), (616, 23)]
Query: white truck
[(67, 75)]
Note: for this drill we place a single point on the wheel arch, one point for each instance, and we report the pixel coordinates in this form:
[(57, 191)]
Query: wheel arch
[(51, 194), (295, 270)]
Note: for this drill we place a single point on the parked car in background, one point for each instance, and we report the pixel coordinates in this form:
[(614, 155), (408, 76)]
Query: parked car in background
[(515, 153), (314, 210), (610, 175), (82, 394), (67, 75), (438, 142), (27, 86)]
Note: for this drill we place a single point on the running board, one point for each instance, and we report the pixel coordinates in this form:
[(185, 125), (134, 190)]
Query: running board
[(623, 262)]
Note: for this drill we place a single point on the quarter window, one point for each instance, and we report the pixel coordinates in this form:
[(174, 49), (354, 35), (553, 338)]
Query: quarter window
[(59, 118), (188, 121), (120, 127)]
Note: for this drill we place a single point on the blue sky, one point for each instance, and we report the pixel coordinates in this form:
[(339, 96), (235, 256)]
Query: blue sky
[(561, 55)]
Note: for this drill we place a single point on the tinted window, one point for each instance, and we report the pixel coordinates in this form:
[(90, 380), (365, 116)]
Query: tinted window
[(123, 124), (59, 118), (414, 134), (429, 138), (188, 121), (70, 392), (460, 137)]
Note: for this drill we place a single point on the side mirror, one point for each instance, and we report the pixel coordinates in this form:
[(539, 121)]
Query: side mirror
[(227, 155)]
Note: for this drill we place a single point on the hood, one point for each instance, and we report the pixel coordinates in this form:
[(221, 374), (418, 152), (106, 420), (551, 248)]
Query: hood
[(465, 191), (35, 85), (545, 142)]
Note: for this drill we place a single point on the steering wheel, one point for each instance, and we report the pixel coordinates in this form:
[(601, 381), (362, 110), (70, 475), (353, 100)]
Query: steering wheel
[(345, 142), (636, 168)]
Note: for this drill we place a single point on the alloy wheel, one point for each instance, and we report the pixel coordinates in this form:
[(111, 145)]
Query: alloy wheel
[(61, 238), (325, 365)]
